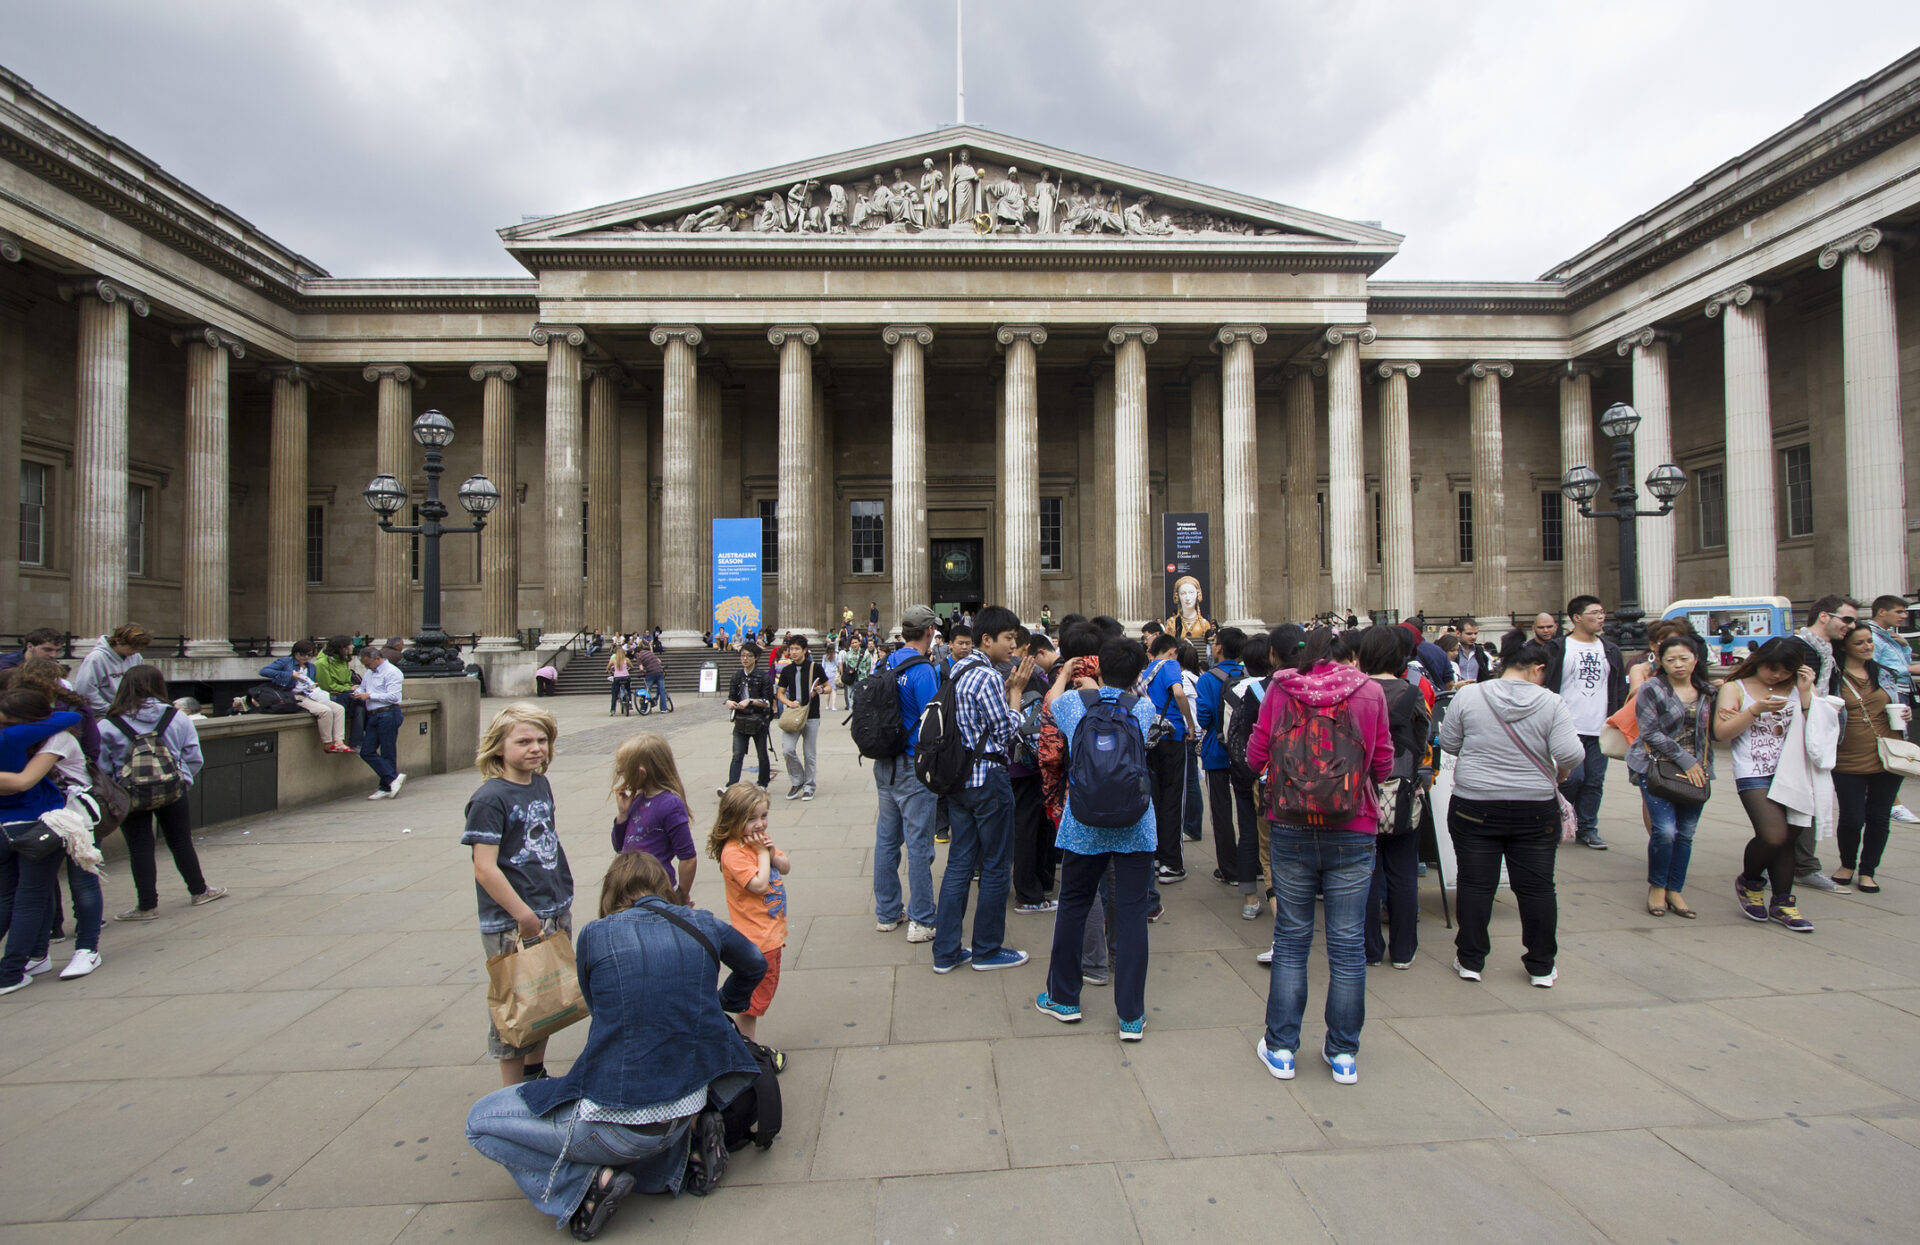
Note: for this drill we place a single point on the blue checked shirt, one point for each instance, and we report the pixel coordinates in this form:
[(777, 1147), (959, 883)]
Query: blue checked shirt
[(987, 721)]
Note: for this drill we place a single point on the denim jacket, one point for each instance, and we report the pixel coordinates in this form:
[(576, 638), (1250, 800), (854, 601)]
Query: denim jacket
[(280, 671), (659, 1030)]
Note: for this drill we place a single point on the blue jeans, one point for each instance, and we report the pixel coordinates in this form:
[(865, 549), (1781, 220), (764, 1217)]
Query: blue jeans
[(356, 716), (380, 746), (1584, 786), (980, 822), (1080, 883), (1339, 865), (89, 907), (26, 905), (658, 682), (553, 1157), (1191, 811), (1671, 845), (906, 819)]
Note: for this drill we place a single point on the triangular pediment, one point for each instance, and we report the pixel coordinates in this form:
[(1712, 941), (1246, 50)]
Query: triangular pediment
[(958, 183)]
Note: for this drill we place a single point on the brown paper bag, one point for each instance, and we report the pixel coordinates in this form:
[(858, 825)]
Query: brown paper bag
[(534, 990)]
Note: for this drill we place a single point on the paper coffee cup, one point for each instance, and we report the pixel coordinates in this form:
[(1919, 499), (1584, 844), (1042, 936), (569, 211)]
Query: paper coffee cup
[(1897, 716)]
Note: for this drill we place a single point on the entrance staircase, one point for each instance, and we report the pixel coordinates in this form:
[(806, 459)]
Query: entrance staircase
[(586, 675)]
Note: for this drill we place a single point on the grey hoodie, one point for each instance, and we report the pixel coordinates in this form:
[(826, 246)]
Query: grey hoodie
[(1490, 766), (99, 676)]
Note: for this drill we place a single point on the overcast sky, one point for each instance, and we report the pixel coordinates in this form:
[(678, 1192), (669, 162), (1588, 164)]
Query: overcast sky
[(390, 138)]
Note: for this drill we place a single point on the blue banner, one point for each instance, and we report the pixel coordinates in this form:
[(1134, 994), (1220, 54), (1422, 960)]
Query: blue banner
[(736, 577)]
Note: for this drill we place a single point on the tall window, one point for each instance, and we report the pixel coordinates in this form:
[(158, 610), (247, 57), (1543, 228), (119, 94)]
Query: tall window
[(33, 514), (1553, 547), (769, 536), (138, 496), (1796, 467), (1378, 523), (1464, 506), (1710, 506), (1320, 512), (316, 544), (869, 538), (1050, 542)]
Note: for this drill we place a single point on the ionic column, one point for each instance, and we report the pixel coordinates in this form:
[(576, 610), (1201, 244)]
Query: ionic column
[(825, 516), (798, 596), (499, 544), (1876, 493), (1236, 508), (1397, 588), (393, 455), (907, 557), (1486, 440), (1652, 445), (1303, 477), (1580, 562), (1750, 514), (564, 482), (707, 489), (679, 476), (1098, 584), (287, 507), (1020, 470), (1133, 543), (1346, 467), (604, 382), (1203, 439), (97, 592), (204, 574)]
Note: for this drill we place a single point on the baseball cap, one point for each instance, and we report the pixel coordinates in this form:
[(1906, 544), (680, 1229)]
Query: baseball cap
[(918, 616)]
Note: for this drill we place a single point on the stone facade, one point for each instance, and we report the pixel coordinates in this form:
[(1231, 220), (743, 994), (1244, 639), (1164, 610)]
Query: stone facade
[(1021, 356)]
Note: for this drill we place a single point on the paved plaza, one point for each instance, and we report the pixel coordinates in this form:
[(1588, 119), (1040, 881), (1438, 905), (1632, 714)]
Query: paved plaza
[(295, 1063)]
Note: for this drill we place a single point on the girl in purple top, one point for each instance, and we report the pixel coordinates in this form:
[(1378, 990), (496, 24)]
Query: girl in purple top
[(652, 804)]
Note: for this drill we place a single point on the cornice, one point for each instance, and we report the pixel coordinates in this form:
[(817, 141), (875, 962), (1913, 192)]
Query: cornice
[(698, 254)]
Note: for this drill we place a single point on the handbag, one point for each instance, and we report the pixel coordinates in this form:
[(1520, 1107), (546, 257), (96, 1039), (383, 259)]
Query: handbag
[(1569, 821), (533, 990), (1897, 756), (793, 719), (1664, 777), (1621, 729), (31, 840)]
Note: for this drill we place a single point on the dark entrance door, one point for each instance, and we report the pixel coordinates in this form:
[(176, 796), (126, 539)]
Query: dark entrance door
[(959, 572)]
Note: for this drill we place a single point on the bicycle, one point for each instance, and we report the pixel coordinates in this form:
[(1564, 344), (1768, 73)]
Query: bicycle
[(642, 698)]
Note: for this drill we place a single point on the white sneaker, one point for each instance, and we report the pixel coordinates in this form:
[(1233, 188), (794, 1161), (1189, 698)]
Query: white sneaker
[(917, 932), (35, 967), (1546, 983), (1902, 813), (83, 962), (399, 781), (1265, 957), (887, 927), (21, 984), (381, 795), (1466, 974)]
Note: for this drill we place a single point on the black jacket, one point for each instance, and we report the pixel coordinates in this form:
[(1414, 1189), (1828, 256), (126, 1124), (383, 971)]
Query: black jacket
[(1616, 670), (751, 685)]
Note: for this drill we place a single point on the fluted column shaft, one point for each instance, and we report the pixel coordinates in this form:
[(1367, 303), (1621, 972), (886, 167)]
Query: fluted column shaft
[(707, 473), (499, 551), (1204, 435), (1487, 442), (1652, 445), (1235, 507), (97, 592), (679, 477), (907, 556), (204, 573), (393, 455), (798, 578), (287, 509), (565, 480), (1020, 471), (1397, 588), (1346, 471), (825, 517), (1100, 591), (603, 498), (1876, 494), (1303, 475), (1580, 565), (1750, 514), (1133, 542)]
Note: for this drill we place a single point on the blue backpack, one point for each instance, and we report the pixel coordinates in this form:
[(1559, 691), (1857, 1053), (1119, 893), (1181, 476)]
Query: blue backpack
[(1107, 783)]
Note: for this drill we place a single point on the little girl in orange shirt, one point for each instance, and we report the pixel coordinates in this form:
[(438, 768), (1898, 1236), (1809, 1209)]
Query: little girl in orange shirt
[(756, 896)]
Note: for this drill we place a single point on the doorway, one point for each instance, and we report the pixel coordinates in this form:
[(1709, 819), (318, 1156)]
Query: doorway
[(959, 573)]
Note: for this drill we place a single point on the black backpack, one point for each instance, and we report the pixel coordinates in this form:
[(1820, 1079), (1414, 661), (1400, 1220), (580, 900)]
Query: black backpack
[(878, 728), (941, 759), (1107, 782), (266, 698), (1240, 723)]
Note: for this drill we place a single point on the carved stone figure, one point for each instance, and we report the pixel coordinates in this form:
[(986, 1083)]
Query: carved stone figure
[(905, 208), (1074, 208), (1138, 222), (802, 213), (772, 217), (966, 185), (1046, 202), (714, 219), (1010, 203), (1103, 211), (880, 203), (836, 209), (933, 193)]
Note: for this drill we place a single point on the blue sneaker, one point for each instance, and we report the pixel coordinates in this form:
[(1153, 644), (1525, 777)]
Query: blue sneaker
[(1133, 1030), (1005, 957), (1063, 1012), (1279, 1062), (1345, 1070), (966, 953)]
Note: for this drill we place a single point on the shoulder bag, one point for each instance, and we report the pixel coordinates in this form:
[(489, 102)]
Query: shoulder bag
[(793, 719), (1667, 781), (1569, 822), (1897, 756)]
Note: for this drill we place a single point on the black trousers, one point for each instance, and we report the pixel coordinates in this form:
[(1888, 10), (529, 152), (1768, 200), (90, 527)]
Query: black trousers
[(1033, 851), (138, 829), (1865, 804), (1236, 848), (740, 739), (1396, 883), (1526, 834), (1167, 767)]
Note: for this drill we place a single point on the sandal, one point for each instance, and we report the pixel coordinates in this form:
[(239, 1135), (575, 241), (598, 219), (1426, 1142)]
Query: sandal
[(1654, 908), (609, 1186), (1866, 885), (1679, 908)]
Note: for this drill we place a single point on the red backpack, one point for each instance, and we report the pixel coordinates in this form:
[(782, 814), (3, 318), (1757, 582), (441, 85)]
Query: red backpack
[(1317, 767)]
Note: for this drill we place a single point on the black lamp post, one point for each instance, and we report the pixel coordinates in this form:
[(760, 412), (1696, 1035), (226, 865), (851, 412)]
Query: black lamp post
[(1666, 482), (430, 655)]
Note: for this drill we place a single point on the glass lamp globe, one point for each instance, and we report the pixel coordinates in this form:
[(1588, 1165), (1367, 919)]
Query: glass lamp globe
[(479, 495), (1666, 481), (384, 495), (433, 429), (1619, 420), (1581, 485)]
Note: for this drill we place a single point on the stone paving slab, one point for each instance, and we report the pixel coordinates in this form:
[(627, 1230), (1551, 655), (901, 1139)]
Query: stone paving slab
[(320, 1032)]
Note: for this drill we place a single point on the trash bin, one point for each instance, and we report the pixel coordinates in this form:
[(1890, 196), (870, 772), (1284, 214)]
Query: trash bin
[(239, 776)]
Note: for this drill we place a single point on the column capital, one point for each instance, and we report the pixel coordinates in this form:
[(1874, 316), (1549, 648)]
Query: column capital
[(1740, 295), (1576, 368), (494, 371), (894, 334), (1337, 333), (572, 334), (292, 373), (1385, 368), (10, 248), (1865, 241), (1007, 334), (404, 373), (1643, 338), (805, 334), (1310, 367), (1228, 334), (207, 335), (1121, 333), (688, 334), (618, 373), (1481, 369), (106, 290)]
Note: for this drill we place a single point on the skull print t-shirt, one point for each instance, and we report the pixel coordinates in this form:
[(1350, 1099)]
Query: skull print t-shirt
[(519, 821)]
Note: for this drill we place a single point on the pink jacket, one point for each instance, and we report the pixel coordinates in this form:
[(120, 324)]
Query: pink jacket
[(1329, 683)]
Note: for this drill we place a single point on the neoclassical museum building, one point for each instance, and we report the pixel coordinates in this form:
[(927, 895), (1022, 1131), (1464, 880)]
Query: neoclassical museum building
[(955, 367)]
